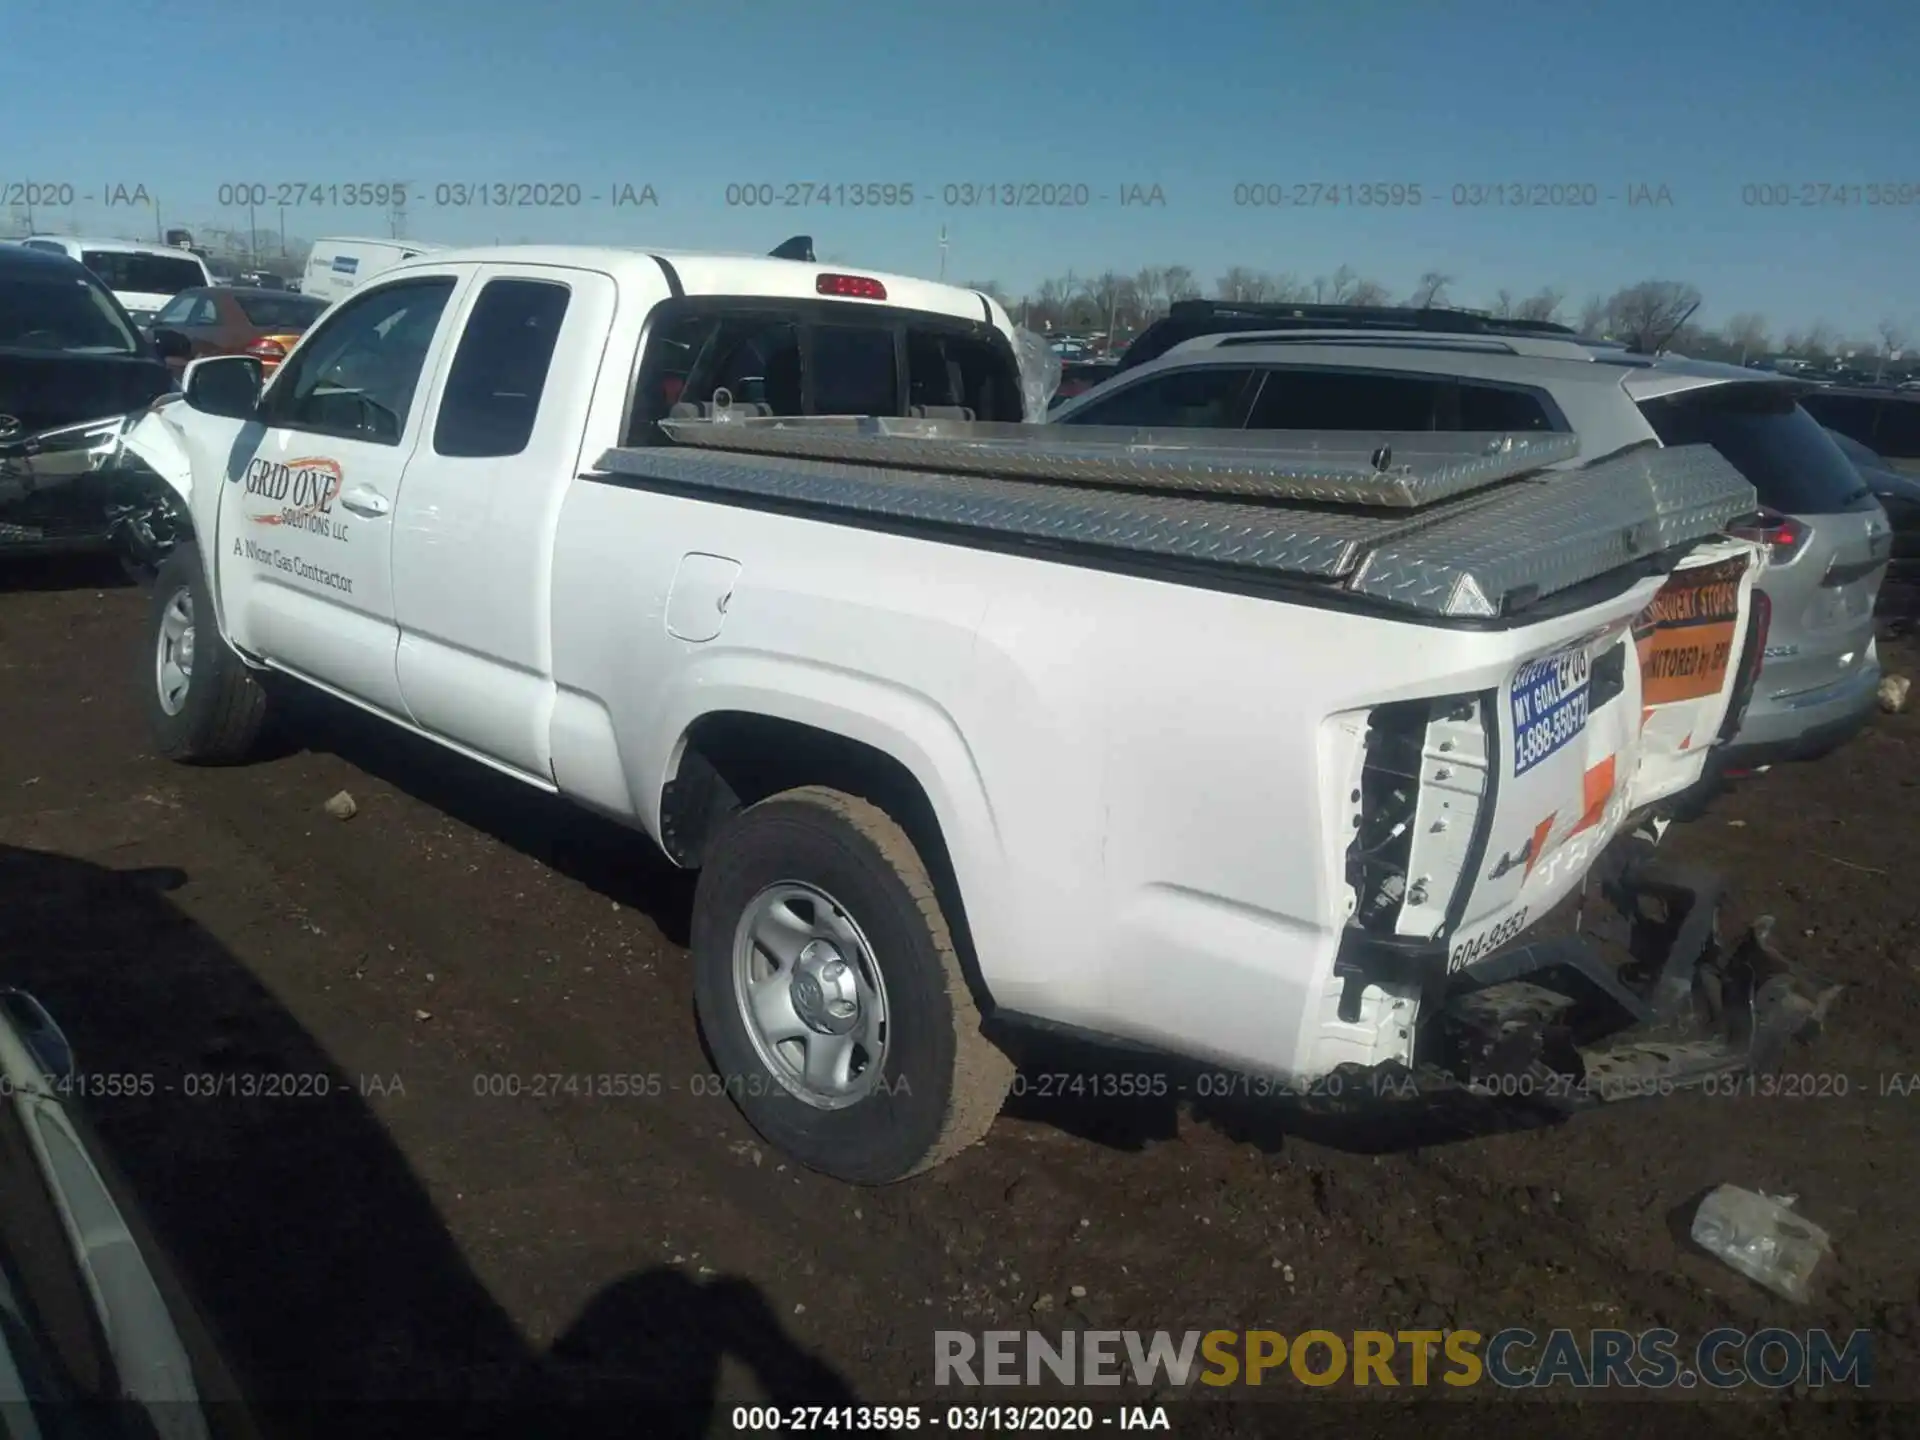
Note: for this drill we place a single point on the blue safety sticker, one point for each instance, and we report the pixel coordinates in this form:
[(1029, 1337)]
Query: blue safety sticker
[(1549, 700)]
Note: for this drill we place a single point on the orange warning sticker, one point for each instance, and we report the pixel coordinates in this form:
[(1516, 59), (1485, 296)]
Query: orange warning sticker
[(1685, 637)]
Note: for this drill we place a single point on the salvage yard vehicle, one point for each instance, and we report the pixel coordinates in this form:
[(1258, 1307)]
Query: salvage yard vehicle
[(232, 320), (1262, 751), (142, 277), (72, 367), (1266, 367), (337, 264)]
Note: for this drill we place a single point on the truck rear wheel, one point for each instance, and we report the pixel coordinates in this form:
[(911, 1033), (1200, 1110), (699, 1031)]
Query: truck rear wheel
[(204, 705), (831, 996)]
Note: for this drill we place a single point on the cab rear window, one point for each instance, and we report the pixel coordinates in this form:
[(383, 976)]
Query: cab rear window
[(821, 358), (1791, 462)]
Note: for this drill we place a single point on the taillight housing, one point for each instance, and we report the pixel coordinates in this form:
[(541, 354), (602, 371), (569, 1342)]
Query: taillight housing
[(1781, 534), (1427, 778), (853, 287), (267, 350)]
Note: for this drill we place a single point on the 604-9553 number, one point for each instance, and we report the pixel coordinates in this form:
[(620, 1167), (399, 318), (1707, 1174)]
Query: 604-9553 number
[(1475, 947)]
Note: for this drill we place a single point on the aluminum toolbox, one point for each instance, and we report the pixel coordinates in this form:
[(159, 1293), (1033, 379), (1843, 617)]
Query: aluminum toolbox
[(1466, 525)]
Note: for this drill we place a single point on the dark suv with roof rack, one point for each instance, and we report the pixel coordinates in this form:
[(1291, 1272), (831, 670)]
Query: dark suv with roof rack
[(1189, 319)]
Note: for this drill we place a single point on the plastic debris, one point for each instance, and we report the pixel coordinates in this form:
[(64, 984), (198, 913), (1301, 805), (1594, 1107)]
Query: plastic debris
[(1893, 693), (1763, 1238), (341, 807)]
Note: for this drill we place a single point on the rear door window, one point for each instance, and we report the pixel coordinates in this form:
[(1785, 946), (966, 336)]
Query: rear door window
[(1320, 399), (1790, 461), (1343, 400), (499, 371), (1211, 397)]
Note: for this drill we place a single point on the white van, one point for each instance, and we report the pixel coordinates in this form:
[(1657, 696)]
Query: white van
[(337, 265), (143, 278)]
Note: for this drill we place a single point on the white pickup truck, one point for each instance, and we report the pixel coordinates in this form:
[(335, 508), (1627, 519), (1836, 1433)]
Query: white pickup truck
[(1257, 751)]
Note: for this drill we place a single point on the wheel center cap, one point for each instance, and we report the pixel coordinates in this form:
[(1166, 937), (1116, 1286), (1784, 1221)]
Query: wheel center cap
[(823, 993), (185, 651)]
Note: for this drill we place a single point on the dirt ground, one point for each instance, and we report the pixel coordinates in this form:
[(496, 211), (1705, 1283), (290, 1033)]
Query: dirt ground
[(641, 1263)]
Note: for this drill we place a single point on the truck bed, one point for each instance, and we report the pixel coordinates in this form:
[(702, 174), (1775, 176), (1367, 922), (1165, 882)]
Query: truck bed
[(1456, 526)]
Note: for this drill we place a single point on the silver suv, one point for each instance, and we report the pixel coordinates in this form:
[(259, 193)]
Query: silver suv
[(1828, 537)]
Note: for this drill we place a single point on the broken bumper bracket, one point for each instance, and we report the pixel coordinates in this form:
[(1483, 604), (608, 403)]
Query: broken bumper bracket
[(1644, 1000)]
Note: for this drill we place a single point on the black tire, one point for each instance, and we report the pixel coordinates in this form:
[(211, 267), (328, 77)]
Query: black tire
[(224, 708), (941, 1081)]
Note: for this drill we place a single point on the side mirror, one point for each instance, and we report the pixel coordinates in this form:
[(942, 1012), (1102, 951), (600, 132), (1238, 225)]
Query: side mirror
[(172, 345), (226, 385)]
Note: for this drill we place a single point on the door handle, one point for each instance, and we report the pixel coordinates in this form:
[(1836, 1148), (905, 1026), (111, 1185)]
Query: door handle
[(365, 500)]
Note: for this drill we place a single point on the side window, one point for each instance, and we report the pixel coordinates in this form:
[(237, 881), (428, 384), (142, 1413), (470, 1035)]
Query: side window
[(205, 312), (357, 376), (1345, 400), (176, 311), (1490, 407), (1207, 397), (500, 369), (52, 246)]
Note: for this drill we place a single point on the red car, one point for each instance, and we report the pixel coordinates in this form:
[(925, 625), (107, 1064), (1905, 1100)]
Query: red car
[(224, 320)]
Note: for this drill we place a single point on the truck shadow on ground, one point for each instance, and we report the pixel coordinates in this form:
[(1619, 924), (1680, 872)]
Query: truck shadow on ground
[(617, 862), (297, 1229), (62, 572), (1130, 1101)]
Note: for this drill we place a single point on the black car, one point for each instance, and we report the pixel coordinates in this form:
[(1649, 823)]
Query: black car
[(73, 365), (1899, 495)]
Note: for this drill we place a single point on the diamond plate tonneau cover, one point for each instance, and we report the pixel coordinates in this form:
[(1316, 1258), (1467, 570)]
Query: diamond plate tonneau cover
[(1553, 533), (1461, 557), (1294, 540), (1399, 469)]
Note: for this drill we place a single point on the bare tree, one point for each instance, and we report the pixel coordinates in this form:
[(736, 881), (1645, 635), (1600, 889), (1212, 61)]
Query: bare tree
[(1648, 313), (1593, 317), (1543, 304), (1369, 292), (1111, 296), (1242, 285), (1179, 283), (1433, 285), (1503, 305), (1893, 339), (1150, 289), (1746, 335), (1817, 343)]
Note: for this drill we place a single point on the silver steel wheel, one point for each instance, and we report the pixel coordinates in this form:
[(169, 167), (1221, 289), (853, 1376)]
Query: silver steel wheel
[(812, 1000), (173, 652)]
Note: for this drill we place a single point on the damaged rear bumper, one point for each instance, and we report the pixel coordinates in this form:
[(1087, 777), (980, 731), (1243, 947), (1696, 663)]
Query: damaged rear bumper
[(1644, 998)]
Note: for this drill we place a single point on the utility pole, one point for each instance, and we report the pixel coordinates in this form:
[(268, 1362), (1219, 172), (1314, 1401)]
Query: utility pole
[(943, 254), (283, 232)]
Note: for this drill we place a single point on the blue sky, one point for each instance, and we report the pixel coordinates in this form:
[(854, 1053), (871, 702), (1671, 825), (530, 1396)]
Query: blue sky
[(1704, 97)]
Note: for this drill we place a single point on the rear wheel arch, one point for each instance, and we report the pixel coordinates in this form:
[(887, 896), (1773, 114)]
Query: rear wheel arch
[(731, 759)]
